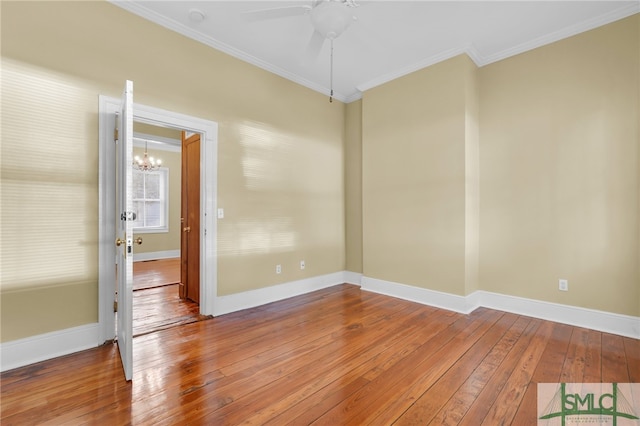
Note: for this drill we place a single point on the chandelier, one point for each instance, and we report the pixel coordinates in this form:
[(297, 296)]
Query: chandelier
[(146, 163)]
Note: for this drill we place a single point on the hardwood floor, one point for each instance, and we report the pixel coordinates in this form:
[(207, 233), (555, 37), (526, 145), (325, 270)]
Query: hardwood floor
[(158, 308), (339, 356), (155, 273), (156, 302)]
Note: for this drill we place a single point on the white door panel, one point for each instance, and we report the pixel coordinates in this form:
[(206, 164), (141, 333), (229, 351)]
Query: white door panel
[(124, 229)]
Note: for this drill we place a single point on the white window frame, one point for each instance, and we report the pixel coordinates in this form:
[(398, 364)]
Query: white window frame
[(164, 200)]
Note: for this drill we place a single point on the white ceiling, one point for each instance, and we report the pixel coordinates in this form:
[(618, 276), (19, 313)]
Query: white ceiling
[(388, 39)]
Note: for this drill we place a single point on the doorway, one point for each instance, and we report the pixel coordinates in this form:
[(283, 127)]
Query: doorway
[(161, 264), (208, 194), (156, 302)]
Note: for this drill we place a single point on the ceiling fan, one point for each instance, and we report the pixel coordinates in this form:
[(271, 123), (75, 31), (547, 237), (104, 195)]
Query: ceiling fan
[(329, 18)]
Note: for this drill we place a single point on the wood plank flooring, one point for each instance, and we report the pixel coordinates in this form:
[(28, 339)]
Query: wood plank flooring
[(156, 302), (155, 273), (159, 308), (339, 356)]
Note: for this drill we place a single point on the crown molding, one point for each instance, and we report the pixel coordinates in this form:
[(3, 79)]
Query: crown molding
[(427, 62), (482, 60), (353, 97), (567, 32), (172, 25), (476, 56)]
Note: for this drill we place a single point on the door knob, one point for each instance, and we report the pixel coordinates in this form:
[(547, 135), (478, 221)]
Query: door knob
[(186, 229), (120, 242)]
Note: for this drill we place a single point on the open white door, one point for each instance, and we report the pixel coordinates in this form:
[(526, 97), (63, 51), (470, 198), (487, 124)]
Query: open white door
[(124, 229)]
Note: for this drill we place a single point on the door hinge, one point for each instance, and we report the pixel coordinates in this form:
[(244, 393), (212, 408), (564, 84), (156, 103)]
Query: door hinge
[(115, 306), (115, 129)]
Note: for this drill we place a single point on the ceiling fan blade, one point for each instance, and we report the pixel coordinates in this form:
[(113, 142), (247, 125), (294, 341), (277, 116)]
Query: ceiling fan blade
[(314, 46), (274, 13)]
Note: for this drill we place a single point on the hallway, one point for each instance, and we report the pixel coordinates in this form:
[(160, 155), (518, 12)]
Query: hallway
[(156, 304)]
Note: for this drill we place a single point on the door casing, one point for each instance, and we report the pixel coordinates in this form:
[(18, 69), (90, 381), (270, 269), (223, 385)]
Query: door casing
[(106, 203)]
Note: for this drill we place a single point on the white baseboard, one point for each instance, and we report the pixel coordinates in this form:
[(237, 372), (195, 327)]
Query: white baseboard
[(21, 352), (156, 255), (251, 299), (623, 325), (18, 353), (353, 278), (451, 302), (608, 322)]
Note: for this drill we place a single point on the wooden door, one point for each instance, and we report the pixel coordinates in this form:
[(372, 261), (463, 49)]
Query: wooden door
[(124, 230), (190, 206)]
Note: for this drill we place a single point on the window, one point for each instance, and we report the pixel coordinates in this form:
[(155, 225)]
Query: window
[(151, 200)]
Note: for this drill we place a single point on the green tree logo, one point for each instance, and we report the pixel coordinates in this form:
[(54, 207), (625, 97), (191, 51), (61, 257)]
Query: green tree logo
[(604, 406)]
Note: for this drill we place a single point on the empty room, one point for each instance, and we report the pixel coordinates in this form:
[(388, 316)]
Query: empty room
[(366, 212)]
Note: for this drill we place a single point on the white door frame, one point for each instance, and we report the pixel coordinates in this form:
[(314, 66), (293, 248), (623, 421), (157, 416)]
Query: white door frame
[(106, 204)]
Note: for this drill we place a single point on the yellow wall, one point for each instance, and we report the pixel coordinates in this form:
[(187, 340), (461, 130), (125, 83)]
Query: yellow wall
[(353, 185), (165, 241), (503, 179), (509, 177), (559, 171), (49, 201), (280, 157), (472, 177), (413, 151)]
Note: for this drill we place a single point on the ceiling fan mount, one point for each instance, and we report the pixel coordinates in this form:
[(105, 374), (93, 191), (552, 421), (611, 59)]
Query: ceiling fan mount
[(329, 18)]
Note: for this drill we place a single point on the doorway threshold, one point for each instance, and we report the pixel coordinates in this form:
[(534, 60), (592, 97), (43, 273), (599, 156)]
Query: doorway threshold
[(160, 308)]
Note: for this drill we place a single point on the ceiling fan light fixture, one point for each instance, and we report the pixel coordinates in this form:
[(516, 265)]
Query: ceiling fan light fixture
[(331, 18)]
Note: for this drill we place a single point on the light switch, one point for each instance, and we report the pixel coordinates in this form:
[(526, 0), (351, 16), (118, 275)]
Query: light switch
[(220, 213)]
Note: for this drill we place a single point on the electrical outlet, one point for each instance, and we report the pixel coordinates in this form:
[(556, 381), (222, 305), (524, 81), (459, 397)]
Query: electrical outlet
[(302, 264), (278, 269), (563, 285)]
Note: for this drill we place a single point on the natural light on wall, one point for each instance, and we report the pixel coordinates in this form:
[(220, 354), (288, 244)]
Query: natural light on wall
[(289, 187), (273, 161), (48, 181)]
